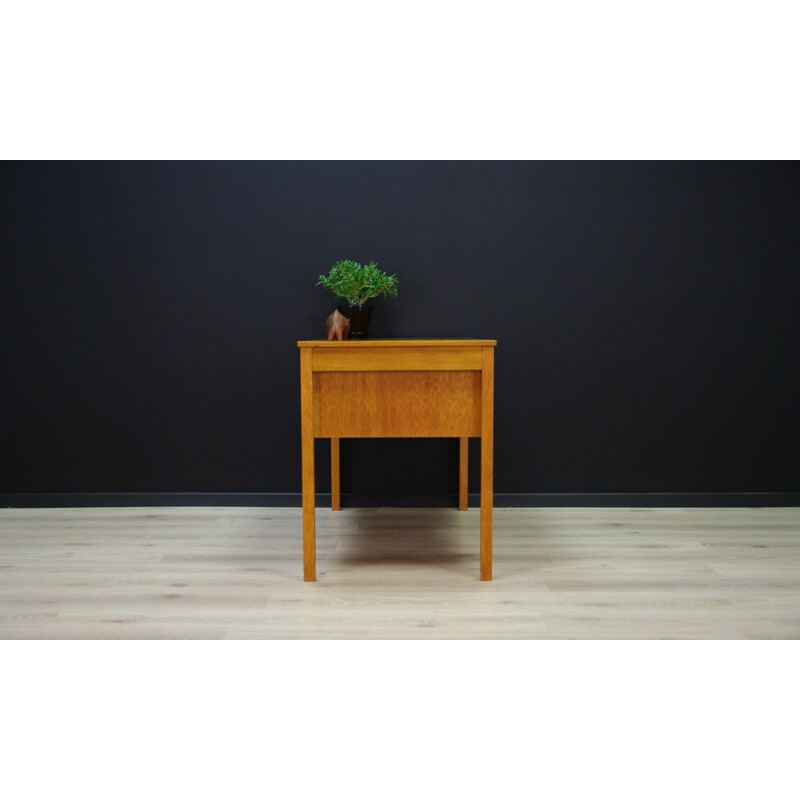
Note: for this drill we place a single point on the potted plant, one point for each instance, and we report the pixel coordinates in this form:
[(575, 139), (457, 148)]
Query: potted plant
[(350, 281)]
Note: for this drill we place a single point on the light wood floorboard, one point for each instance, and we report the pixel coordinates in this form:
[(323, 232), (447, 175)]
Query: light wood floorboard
[(237, 573)]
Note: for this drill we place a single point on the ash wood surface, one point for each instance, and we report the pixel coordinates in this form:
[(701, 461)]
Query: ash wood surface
[(392, 404), (397, 388), (413, 357), (307, 461), (463, 473), (487, 460), (215, 573), (368, 343), (336, 495)]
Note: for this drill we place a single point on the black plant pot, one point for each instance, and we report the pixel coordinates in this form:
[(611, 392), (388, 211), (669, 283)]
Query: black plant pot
[(359, 321)]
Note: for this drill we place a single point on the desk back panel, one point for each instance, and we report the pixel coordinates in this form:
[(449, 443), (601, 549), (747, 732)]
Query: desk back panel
[(397, 404)]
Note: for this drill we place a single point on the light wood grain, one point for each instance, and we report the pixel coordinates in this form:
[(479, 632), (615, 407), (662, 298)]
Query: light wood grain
[(307, 459), (356, 359), (411, 388), (559, 573), (397, 404), (370, 343), (487, 461), (463, 473), (336, 496)]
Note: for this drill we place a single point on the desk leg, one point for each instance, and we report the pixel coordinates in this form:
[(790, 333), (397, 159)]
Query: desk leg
[(336, 503), (487, 461), (463, 466), (307, 453)]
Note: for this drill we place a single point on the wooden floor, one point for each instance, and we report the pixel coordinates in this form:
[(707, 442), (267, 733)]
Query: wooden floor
[(236, 573)]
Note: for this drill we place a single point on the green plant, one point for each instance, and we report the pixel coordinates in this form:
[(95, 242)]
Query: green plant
[(357, 284)]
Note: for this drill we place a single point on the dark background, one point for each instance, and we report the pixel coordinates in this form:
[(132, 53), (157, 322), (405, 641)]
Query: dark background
[(646, 317)]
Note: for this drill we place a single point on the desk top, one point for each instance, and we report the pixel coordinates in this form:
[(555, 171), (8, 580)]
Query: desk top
[(400, 343)]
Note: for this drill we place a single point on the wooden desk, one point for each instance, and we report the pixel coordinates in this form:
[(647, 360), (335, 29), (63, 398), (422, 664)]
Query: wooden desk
[(397, 388)]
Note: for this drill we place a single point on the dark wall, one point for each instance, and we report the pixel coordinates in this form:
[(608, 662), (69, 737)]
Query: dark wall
[(646, 317)]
